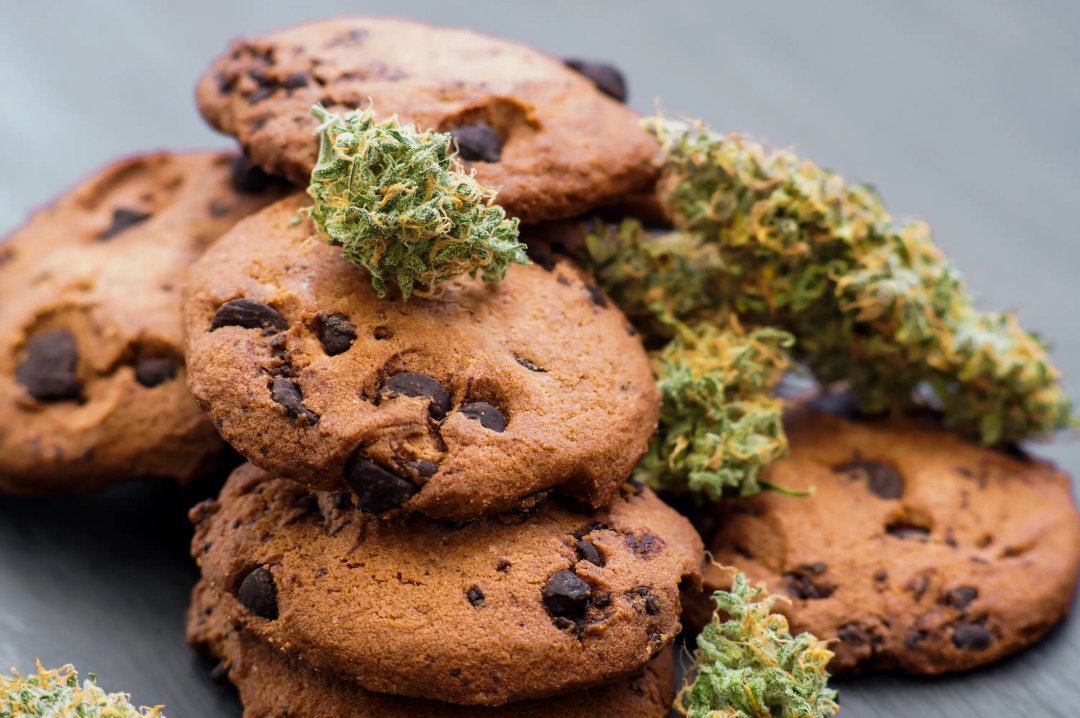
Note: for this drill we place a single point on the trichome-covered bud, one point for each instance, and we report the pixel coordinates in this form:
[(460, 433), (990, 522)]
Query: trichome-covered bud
[(401, 205), (720, 423), (55, 693), (871, 301), (748, 665)]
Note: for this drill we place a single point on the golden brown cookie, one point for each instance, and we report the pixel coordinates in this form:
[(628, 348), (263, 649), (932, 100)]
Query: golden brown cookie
[(271, 684), (543, 132), (92, 386), (512, 607), (459, 406), (917, 551)]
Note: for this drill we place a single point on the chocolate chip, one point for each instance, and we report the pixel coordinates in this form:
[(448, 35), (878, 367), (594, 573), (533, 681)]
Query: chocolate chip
[(343, 500), (503, 565), (381, 333), (248, 177), (49, 370), (488, 416), (249, 314), (413, 383), (801, 582), (904, 530), (881, 575), (287, 393), (587, 551), (882, 480), (853, 633), (652, 604), (295, 80), (918, 585), (258, 594), (478, 142), (961, 596), (259, 95), (123, 219), (596, 295), (476, 596), (914, 637), (336, 333), (565, 594), (423, 467), (379, 490), (972, 637), (644, 546), (607, 78), (151, 372)]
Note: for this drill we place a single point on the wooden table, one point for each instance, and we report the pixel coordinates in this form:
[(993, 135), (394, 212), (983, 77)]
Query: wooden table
[(965, 116)]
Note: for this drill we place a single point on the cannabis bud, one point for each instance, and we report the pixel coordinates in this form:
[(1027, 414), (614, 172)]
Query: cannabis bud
[(719, 422), (58, 694), (401, 205), (870, 301), (748, 665)]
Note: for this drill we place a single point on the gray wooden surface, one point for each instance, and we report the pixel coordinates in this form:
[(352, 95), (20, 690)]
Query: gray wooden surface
[(963, 112)]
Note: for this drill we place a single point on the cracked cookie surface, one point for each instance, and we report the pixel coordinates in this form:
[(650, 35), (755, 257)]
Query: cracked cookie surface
[(92, 379), (512, 607), (917, 551), (473, 402), (271, 683), (553, 138)]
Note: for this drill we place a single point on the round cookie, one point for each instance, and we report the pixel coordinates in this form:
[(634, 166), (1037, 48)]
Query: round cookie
[(272, 684), (508, 608), (92, 386), (458, 406), (543, 132), (917, 551)]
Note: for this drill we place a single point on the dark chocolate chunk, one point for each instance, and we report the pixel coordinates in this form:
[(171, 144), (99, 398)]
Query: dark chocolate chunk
[(961, 596), (258, 594), (287, 393), (503, 565), (248, 177), (565, 594), (529, 365), (478, 142), (587, 551), (476, 596), (381, 333), (882, 480), (645, 546), (488, 416), (881, 575), (596, 295), (154, 371), (413, 383), (905, 530), (123, 219), (295, 80), (336, 333), (801, 582), (423, 467), (249, 314), (652, 604), (49, 370), (606, 77), (972, 637), (379, 490)]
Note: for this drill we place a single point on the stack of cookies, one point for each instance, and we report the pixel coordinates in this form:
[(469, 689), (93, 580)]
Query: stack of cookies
[(437, 517)]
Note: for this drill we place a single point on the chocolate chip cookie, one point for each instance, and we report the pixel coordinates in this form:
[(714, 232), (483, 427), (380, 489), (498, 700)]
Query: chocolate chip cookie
[(273, 684), (92, 386), (463, 405), (917, 551), (514, 607), (552, 135)]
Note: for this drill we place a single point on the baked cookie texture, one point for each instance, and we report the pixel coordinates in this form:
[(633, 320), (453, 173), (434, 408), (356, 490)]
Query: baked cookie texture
[(473, 402), (515, 607), (271, 684), (544, 133), (92, 379), (918, 550)]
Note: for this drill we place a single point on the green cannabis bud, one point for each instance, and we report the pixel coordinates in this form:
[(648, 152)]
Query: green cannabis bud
[(748, 665), (719, 422), (870, 301), (402, 206), (58, 694)]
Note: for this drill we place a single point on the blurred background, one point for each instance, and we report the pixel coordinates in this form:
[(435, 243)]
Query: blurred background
[(963, 113)]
